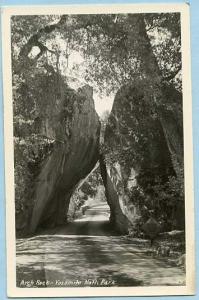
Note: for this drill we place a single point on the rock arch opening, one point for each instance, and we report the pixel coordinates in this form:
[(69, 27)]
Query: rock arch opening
[(74, 128), (92, 209)]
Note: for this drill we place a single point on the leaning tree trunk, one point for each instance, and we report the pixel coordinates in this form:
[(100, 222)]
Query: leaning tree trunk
[(171, 119), (160, 123)]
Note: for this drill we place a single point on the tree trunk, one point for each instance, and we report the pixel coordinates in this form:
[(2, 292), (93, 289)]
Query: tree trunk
[(171, 119)]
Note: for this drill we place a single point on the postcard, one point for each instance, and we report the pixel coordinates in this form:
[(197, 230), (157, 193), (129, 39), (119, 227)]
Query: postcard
[(98, 150)]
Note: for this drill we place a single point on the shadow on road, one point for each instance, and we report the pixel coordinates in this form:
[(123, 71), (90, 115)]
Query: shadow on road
[(107, 263), (95, 228), (90, 251)]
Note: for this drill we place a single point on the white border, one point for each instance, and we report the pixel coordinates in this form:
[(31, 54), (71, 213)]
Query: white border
[(13, 291)]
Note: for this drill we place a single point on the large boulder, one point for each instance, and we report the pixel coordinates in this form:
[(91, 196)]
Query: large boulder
[(139, 149), (67, 120), (70, 161)]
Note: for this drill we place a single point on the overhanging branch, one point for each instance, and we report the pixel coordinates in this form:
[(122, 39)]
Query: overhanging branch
[(34, 42), (34, 39)]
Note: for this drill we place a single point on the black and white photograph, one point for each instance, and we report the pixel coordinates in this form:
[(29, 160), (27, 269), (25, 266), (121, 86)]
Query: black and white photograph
[(98, 150)]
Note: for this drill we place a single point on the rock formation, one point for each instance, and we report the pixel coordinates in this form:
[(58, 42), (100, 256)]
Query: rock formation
[(68, 119), (117, 217), (140, 146), (70, 161)]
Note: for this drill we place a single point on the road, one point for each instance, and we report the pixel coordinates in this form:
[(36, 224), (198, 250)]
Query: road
[(89, 253)]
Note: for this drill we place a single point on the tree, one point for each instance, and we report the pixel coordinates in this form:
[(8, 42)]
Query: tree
[(115, 50), (113, 45)]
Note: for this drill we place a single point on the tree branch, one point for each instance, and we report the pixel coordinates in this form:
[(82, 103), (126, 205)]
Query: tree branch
[(42, 49), (33, 41), (173, 74), (151, 27)]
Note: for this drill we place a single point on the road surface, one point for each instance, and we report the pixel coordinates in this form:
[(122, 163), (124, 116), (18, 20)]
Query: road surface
[(89, 253)]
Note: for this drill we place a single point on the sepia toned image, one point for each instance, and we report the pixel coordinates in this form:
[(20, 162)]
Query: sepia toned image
[(98, 152)]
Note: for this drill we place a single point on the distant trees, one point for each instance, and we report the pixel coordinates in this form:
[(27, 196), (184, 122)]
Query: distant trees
[(91, 184)]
